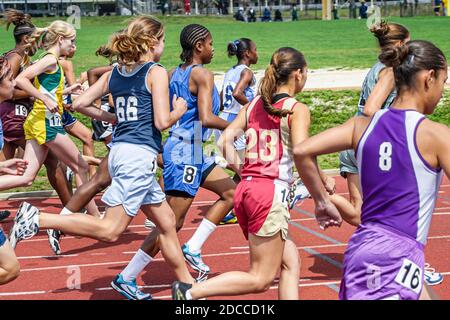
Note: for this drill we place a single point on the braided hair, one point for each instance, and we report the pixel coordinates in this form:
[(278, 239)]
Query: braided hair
[(189, 37)]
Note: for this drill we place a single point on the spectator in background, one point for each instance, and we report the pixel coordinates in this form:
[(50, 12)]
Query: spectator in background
[(294, 13), (437, 8), (251, 15), (267, 16), (278, 15), (187, 7), (239, 15), (363, 10), (444, 7)]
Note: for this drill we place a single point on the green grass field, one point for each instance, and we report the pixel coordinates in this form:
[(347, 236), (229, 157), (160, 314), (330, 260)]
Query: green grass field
[(337, 44)]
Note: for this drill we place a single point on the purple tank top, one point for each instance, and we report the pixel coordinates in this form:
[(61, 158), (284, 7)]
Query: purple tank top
[(399, 187)]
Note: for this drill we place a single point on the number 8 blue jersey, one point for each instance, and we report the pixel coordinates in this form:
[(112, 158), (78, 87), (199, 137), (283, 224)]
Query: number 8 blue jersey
[(134, 107)]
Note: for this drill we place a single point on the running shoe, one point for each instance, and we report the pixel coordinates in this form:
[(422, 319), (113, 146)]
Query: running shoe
[(297, 193), (230, 218), (220, 161), (129, 289), (26, 224), (4, 214), (53, 239), (149, 224), (432, 277), (179, 290), (196, 262), (69, 175)]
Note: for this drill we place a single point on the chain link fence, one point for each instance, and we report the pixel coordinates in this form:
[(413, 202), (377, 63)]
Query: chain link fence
[(245, 10)]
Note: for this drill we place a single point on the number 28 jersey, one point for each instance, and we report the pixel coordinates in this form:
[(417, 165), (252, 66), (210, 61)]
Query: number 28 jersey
[(134, 107), (268, 152), (399, 187)]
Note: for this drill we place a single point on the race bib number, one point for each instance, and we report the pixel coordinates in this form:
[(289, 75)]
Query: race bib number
[(282, 193), (189, 174), (154, 166), (55, 120), (410, 276), (21, 110)]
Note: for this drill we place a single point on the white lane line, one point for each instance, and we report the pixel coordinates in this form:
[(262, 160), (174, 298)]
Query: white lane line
[(146, 231), (164, 286), (5, 294), (438, 237), (441, 213), (45, 257), (205, 255)]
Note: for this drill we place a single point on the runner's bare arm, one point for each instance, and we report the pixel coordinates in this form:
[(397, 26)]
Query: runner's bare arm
[(381, 91), (83, 103), (226, 142)]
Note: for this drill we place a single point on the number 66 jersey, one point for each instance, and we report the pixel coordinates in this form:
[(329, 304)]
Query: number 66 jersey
[(134, 107)]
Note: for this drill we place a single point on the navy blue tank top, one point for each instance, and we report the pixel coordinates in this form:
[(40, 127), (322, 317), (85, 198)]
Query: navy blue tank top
[(134, 107)]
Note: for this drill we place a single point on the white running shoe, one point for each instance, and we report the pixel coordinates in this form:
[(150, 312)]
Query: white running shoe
[(432, 277), (297, 193), (26, 224), (53, 239), (196, 262), (149, 224)]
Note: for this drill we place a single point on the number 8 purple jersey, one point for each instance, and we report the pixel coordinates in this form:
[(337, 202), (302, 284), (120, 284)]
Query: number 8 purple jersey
[(399, 187)]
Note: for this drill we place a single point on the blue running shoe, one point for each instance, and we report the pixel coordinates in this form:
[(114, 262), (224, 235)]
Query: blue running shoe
[(129, 289), (432, 277), (196, 262), (230, 218)]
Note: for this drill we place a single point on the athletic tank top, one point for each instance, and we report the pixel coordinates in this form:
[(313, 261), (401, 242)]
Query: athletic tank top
[(268, 151), (369, 83), (189, 127), (231, 79), (21, 106), (399, 187), (134, 107), (52, 85)]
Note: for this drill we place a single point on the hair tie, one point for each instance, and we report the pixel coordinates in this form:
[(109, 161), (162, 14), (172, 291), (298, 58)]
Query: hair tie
[(411, 59), (236, 43)]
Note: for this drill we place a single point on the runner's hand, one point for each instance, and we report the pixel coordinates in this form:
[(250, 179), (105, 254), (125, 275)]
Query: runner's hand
[(327, 215), (330, 185), (179, 104), (14, 166), (51, 105)]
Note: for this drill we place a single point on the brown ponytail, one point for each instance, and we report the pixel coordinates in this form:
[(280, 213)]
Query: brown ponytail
[(284, 61), (142, 34), (389, 34), (409, 59)]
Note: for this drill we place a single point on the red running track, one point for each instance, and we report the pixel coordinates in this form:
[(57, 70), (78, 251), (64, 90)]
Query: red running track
[(45, 276)]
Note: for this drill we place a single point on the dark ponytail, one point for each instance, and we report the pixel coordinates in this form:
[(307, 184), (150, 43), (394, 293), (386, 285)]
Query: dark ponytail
[(409, 59), (284, 61), (238, 47)]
